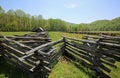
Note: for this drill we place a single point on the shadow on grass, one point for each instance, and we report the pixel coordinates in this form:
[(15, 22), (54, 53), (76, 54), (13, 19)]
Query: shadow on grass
[(82, 68), (8, 70)]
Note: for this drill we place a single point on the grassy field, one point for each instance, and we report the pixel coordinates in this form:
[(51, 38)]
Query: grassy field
[(63, 69), (13, 33), (113, 32)]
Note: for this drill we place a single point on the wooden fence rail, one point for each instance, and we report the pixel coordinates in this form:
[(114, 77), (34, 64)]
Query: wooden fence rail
[(37, 58), (94, 53), (36, 54)]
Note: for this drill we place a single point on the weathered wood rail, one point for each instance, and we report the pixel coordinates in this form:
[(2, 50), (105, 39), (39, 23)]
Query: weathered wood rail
[(94, 52), (33, 53), (97, 33), (39, 59), (36, 54)]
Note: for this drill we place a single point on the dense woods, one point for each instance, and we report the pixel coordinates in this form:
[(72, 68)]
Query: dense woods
[(18, 20)]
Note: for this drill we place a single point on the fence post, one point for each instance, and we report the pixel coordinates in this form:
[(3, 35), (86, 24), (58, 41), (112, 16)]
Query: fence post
[(64, 46)]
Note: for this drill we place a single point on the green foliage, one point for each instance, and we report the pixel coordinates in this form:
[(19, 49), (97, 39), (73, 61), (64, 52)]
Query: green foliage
[(57, 25), (1, 10), (100, 25), (20, 21)]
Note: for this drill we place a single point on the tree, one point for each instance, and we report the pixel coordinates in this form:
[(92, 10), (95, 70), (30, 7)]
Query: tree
[(2, 17), (20, 21)]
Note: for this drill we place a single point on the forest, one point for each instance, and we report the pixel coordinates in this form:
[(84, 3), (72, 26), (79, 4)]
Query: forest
[(18, 20)]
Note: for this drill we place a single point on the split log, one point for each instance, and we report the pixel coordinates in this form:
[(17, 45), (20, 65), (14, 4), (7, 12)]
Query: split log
[(100, 73), (79, 51), (110, 64), (31, 41), (108, 59), (81, 56), (94, 42), (73, 57), (46, 53), (83, 47), (23, 63), (111, 37), (31, 52), (22, 45), (44, 46), (13, 49), (104, 68)]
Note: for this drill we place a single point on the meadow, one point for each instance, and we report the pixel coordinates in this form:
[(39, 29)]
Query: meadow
[(63, 69)]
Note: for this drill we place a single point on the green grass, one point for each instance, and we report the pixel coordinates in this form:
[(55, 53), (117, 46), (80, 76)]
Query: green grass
[(58, 35), (115, 71), (13, 33), (63, 69)]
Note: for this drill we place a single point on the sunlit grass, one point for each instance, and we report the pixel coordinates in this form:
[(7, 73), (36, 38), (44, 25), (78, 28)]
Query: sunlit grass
[(58, 35), (13, 33), (115, 71), (65, 69)]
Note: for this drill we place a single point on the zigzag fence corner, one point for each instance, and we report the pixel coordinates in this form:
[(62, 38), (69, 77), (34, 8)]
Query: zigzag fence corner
[(37, 55), (31, 53), (94, 52)]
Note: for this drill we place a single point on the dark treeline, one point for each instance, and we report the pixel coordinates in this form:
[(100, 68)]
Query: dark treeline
[(18, 20)]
